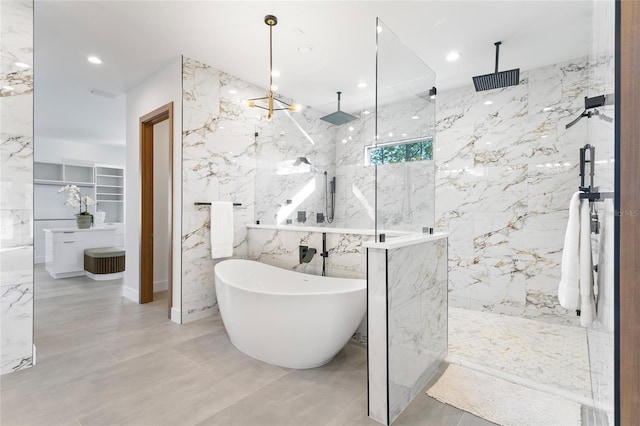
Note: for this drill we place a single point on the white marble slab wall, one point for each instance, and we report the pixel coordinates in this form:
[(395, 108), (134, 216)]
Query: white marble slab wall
[(231, 153), (407, 303), (506, 171), (279, 178), (601, 135), (16, 176), (279, 247)]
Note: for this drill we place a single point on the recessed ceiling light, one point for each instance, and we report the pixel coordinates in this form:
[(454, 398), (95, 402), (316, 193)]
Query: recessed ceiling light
[(233, 92), (221, 127), (344, 141), (365, 112), (379, 29), (362, 85), (94, 60), (390, 134), (21, 65), (415, 117), (351, 128), (8, 88), (567, 164), (275, 73), (488, 143), (453, 56), (274, 88), (547, 109), (544, 136), (488, 102), (404, 135)]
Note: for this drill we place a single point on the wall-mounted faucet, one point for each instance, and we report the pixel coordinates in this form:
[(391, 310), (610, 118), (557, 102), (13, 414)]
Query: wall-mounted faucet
[(306, 254)]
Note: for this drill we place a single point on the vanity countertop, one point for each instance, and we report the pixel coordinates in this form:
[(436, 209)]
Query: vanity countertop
[(79, 230)]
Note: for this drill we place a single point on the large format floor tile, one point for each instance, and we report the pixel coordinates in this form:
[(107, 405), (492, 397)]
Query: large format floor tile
[(103, 360)]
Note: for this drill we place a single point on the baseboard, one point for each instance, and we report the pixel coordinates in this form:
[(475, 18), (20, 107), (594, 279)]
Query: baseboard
[(160, 285), (131, 294), (194, 316), (176, 316)]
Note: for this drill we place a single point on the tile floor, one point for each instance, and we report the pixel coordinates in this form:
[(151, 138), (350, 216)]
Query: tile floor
[(553, 356), (103, 360)]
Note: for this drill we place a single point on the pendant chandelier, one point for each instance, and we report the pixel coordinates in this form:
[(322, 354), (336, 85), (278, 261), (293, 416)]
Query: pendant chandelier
[(271, 21)]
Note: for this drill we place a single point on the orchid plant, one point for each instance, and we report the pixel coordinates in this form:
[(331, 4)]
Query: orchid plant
[(77, 199)]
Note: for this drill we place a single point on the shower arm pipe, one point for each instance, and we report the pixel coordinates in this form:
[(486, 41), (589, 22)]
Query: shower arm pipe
[(497, 43)]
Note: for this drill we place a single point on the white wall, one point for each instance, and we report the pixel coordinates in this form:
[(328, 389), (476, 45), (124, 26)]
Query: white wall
[(160, 205), (71, 152), (157, 90)]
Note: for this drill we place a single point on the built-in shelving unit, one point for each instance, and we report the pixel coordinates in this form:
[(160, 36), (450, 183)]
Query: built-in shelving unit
[(103, 183), (110, 192)]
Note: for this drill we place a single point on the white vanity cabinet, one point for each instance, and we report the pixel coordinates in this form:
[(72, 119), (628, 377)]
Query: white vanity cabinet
[(64, 248)]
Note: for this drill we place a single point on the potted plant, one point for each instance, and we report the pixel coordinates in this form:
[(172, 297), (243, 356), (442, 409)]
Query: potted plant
[(84, 219)]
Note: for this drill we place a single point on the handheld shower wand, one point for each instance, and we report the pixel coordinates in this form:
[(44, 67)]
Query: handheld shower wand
[(330, 188)]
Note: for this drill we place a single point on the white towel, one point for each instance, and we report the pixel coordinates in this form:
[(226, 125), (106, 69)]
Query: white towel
[(569, 289), (587, 301), (606, 268), (221, 229), (575, 291)]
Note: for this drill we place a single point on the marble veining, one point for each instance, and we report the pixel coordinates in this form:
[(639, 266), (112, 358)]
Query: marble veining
[(552, 355), (417, 309), (505, 173), (16, 194)]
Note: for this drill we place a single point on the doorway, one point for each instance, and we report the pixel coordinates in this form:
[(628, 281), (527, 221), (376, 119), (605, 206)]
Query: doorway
[(156, 207)]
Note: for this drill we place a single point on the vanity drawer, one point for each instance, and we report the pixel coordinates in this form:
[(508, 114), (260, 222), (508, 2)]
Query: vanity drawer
[(67, 236)]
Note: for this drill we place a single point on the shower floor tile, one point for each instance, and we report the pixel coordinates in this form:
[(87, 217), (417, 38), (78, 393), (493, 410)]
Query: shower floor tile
[(551, 355)]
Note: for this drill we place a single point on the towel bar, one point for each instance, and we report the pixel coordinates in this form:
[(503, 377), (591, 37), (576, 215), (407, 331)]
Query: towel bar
[(198, 203)]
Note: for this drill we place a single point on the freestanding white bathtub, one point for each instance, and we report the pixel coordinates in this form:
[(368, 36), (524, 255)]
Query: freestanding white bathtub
[(284, 317)]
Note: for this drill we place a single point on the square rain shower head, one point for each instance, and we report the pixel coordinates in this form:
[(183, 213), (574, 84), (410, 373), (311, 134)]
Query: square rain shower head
[(496, 80), (338, 118)]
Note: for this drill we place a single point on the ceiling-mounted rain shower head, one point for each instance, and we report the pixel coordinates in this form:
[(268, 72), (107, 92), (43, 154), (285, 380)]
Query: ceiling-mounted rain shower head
[(301, 160), (338, 118), (497, 79)]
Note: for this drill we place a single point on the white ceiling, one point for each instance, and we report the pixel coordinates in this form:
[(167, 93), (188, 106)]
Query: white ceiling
[(136, 38)]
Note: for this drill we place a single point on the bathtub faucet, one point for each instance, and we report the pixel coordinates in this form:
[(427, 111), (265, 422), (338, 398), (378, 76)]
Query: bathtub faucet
[(306, 254)]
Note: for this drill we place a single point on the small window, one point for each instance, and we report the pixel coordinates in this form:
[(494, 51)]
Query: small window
[(399, 152)]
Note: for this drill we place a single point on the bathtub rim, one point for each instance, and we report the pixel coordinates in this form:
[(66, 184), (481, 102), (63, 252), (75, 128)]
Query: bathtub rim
[(363, 281)]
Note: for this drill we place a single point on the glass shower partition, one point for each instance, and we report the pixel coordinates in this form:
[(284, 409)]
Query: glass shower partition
[(403, 152)]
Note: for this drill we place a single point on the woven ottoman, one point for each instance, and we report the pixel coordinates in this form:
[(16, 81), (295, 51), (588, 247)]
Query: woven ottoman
[(104, 263)]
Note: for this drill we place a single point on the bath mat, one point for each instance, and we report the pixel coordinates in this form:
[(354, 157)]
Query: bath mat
[(502, 402)]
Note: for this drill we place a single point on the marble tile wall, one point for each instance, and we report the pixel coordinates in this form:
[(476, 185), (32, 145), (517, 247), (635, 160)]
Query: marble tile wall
[(231, 153), (413, 303), (505, 175), (16, 180), (278, 247)]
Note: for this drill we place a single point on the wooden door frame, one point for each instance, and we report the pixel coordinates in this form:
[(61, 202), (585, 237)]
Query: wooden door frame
[(147, 122), (627, 221)]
